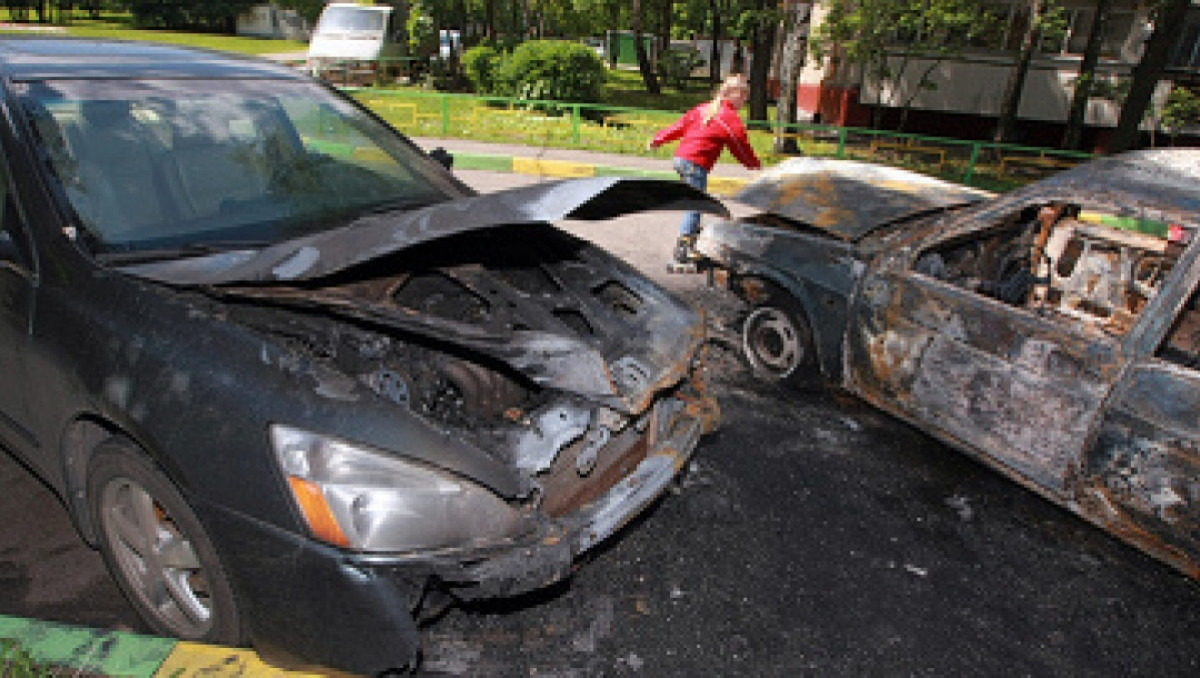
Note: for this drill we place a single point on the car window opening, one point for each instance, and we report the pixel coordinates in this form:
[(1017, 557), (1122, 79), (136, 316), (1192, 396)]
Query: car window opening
[(1064, 261)]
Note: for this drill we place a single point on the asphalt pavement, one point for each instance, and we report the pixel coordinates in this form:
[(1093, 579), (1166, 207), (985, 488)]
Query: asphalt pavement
[(813, 536)]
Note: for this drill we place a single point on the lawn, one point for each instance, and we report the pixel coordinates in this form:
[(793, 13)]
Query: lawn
[(116, 27)]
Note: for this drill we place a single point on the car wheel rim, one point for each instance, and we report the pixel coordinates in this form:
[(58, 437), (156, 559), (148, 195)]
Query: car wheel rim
[(156, 558), (772, 342)]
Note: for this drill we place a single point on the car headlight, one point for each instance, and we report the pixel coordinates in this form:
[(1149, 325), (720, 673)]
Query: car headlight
[(358, 498)]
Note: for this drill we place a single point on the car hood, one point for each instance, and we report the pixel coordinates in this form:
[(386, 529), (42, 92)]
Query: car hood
[(375, 236), (488, 275), (849, 199)]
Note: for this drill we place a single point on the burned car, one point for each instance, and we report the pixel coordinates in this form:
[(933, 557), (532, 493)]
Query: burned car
[(1052, 333), (292, 377)]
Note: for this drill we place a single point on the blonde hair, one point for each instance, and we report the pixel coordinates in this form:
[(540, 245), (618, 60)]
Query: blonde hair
[(735, 82)]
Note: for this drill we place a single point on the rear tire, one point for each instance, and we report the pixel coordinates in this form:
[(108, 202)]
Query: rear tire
[(777, 342), (157, 549)]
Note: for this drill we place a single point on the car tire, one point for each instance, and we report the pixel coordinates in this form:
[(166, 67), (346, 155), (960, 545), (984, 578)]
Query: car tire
[(157, 549), (778, 343)]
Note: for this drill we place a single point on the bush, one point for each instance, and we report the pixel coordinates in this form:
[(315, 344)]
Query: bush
[(555, 70), (675, 66), (481, 63)]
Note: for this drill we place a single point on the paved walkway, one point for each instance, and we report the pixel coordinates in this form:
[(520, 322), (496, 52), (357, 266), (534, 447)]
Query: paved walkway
[(725, 180)]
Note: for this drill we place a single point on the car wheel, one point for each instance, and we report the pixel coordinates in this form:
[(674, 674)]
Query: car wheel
[(778, 344), (157, 550)]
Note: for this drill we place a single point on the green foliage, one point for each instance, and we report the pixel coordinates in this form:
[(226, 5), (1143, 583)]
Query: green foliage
[(555, 70), (212, 15), (481, 63), (883, 35), (422, 31), (675, 66), (1181, 110), (309, 9), (17, 661)]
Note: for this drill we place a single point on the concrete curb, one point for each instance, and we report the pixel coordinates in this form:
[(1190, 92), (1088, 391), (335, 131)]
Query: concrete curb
[(127, 655)]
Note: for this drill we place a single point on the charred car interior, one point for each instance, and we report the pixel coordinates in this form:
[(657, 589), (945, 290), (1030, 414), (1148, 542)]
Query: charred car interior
[(1059, 259)]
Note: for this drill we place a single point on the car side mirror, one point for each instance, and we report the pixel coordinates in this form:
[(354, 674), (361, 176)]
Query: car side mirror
[(443, 157)]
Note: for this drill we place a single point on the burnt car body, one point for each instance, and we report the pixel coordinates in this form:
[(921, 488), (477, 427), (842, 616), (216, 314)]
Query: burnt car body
[(1050, 332), (292, 377)]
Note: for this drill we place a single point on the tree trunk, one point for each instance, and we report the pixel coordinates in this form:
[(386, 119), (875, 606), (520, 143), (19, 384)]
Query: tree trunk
[(760, 66), (714, 60), (791, 62), (664, 32), (1087, 76), (1168, 24), (639, 48), (489, 19), (1016, 80)]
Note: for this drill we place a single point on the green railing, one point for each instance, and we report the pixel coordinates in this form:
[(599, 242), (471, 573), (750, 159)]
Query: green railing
[(626, 130)]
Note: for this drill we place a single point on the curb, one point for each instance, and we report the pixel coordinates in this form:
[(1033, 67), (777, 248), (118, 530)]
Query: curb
[(127, 655), (565, 169)]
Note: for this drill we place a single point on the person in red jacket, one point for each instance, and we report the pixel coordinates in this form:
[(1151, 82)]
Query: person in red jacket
[(705, 131)]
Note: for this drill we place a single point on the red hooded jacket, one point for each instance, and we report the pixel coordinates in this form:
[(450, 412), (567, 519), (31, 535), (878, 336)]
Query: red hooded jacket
[(702, 144)]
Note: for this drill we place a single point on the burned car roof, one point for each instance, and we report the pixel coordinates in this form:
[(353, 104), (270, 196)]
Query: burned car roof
[(1157, 183), (848, 198)]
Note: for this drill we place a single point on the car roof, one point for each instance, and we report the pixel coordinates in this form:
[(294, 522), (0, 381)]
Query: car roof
[(42, 58), (1163, 181)]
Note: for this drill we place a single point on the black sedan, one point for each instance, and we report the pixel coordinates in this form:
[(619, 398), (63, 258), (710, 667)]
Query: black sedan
[(1052, 333), (294, 379)]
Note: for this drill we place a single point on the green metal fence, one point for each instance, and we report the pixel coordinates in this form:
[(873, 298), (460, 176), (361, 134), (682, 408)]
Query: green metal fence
[(626, 130)]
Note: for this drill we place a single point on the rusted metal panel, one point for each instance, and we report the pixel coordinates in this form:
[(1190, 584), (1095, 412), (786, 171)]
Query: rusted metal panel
[(1024, 330)]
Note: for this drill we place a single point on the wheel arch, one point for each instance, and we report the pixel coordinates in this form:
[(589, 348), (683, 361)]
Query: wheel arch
[(756, 285)]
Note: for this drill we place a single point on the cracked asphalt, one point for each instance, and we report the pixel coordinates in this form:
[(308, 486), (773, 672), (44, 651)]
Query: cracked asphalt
[(813, 535)]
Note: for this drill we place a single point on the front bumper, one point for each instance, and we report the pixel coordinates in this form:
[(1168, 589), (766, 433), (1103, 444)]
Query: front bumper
[(310, 605)]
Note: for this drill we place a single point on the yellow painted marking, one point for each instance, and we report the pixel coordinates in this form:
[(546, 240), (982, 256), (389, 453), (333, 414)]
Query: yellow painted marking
[(725, 186), (553, 168), (194, 660)]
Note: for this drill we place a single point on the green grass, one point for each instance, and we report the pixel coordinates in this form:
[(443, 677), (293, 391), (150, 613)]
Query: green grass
[(16, 661), (116, 27)]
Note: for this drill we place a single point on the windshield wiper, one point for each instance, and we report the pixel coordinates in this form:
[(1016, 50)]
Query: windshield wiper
[(182, 252)]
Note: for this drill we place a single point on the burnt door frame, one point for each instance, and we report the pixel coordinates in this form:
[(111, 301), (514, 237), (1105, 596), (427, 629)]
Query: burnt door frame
[(1017, 389)]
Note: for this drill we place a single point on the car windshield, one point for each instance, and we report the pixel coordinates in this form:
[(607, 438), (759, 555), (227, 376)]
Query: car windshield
[(338, 19), (149, 165)]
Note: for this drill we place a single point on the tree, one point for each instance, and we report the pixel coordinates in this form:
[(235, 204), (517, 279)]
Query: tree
[(1169, 18), (639, 47), (791, 62), (760, 24), (1087, 76), (1181, 110), (886, 38), (1044, 18)]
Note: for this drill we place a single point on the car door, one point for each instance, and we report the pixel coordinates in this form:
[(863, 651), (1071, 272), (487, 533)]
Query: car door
[(946, 335), (1142, 473), (17, 281)]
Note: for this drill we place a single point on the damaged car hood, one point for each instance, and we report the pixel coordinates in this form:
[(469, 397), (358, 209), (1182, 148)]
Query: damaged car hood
[(488, 274), (849, 199), (378, 235)]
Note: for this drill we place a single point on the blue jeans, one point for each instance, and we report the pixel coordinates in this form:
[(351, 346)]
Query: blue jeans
[(697, 177)]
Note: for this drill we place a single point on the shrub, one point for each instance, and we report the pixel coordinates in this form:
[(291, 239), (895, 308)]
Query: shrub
[(556, 70), (675, 66), (481, 63)]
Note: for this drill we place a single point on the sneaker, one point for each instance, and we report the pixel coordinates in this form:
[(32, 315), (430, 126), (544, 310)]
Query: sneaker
[(683, 249)]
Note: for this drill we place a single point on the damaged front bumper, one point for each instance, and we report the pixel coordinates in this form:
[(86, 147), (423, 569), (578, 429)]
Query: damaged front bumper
[(355, 611)]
